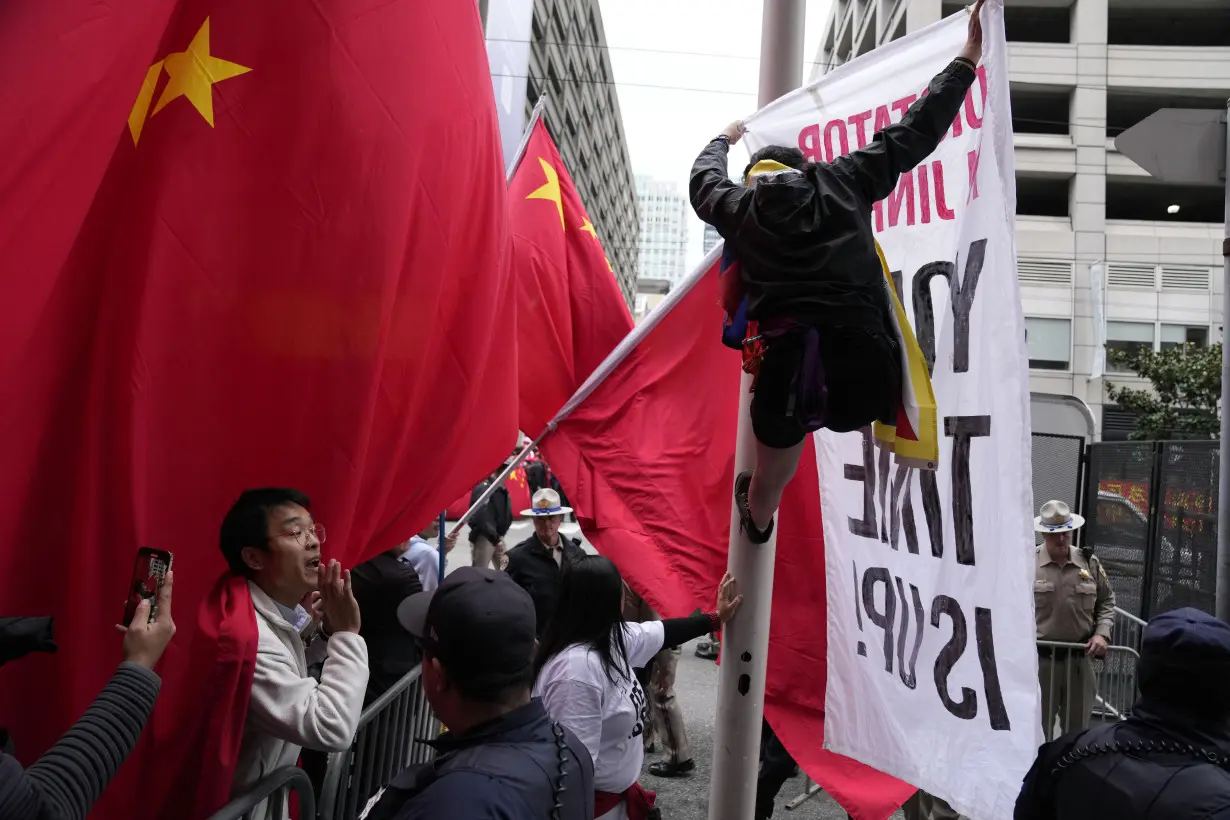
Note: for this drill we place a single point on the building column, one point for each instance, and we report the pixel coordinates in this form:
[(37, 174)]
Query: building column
[(1088, 195)]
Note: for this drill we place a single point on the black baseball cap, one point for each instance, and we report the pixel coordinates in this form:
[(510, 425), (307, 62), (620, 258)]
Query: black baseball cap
[(478, 622)]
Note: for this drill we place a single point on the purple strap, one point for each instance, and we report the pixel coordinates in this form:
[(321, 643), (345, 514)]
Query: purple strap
[(809, 394)]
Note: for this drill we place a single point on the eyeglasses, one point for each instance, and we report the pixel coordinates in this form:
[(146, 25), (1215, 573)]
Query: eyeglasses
[(299, 534)]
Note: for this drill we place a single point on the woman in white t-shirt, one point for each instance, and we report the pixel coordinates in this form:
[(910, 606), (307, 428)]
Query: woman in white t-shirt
[(585, 678)]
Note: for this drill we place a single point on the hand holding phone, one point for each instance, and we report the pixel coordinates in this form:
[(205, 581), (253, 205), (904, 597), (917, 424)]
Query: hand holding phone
[(148, 572), (152, 627)]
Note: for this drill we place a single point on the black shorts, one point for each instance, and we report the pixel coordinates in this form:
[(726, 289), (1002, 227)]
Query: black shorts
[(862, 369)]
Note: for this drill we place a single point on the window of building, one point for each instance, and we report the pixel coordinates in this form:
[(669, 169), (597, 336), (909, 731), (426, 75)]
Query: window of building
[(1128, 337), (1049, 342), (1043, 196), (1180, 335), (1142, 199)]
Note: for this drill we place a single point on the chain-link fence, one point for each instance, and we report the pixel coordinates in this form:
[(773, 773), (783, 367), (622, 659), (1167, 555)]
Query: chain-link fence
[(1151, 511), (1057, 462)]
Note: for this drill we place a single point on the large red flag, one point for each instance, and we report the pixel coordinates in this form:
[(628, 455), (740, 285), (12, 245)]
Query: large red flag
[(570, 312), (647, 460), (293, 271)]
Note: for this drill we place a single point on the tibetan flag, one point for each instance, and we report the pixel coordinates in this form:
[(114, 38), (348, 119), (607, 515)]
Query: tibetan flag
[(291, 268), (570, 311), (915, 438)]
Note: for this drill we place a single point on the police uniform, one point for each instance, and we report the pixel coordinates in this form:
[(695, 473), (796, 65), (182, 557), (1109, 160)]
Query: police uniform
[(666, 716), (1072, 603)]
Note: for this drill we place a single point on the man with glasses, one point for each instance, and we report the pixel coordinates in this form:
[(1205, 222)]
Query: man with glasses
[(269, 538)]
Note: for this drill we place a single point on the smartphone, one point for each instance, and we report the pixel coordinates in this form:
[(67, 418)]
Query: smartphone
[(147, 576)]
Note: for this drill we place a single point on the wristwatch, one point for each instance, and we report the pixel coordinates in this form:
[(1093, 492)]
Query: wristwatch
[(722, 138)]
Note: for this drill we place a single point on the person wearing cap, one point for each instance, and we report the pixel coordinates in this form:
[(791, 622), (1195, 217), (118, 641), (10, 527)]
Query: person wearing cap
[(1170, 758), (536, 562), (502, 756), (1074, 604)]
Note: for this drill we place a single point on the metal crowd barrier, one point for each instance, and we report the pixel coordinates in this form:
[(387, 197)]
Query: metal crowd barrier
[(274, 787), (1114, 689), (1111, 691), (385, 744)]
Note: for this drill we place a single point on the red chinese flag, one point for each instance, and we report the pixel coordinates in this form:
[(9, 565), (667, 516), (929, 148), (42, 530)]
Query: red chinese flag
[(647, 460), (570, 311), (293, 271)]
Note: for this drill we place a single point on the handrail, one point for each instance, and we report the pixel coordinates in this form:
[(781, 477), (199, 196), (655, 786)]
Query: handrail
[(362, 769), (271, 787), (376, 706), (1131, 617)]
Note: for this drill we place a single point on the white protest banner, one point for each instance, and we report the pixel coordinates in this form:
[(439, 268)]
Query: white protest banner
[(932, 669)]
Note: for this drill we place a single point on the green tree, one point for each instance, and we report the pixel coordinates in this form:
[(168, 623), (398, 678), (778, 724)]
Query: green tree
[(1186, 389)]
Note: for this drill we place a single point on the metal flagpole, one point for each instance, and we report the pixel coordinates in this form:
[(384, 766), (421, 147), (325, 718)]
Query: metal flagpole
[(1223, 506), (535, 115), (440, 544), (745, 639)]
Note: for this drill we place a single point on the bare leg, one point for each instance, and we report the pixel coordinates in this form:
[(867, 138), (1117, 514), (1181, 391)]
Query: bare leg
[(774, 469)]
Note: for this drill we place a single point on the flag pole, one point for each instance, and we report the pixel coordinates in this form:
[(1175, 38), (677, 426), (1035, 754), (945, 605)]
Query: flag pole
[(612, 360), (440, 545), (535, 116), (745, 639)]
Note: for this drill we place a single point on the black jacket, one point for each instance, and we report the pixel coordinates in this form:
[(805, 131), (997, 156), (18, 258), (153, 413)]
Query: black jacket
[(380, 585), (493, 519), (531, 565), (1153, 765), (804, 240), (508, 769)]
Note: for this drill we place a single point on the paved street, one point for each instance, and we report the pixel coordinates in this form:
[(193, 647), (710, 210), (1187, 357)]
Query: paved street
[(686, 798)]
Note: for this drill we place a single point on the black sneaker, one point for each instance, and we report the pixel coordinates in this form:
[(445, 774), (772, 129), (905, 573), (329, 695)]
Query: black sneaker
[(742, 484), (667, 768)]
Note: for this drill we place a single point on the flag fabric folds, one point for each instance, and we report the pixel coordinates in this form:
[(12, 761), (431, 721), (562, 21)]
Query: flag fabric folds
[(915, 437), (647, 460), (570, 311), (263, 247)]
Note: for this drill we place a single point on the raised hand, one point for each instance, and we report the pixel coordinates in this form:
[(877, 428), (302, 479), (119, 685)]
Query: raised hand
[(972, 50), (727, 601), (337, 598)]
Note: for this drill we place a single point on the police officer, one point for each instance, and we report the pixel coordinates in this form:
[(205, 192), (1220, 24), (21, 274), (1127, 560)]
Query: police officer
[(1073, 603), (1170, 758)]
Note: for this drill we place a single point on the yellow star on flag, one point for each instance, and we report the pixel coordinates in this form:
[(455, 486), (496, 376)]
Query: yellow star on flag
[(550, 190), (193, 73), (588, 227)]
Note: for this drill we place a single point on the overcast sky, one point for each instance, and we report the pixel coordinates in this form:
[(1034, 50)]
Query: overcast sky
[(662, 43)]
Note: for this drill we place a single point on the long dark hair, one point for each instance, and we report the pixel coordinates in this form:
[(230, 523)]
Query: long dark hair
[(590, 613)]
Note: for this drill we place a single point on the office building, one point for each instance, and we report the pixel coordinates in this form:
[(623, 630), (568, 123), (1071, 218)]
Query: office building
[(649, 294), (569, 61), (711, 239), (664, 230), (1083, 71)]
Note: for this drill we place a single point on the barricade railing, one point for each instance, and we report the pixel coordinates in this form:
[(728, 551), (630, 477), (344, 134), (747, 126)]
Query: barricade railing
[(276, 788), (386, 742), (1114, 683), (1076, 688)]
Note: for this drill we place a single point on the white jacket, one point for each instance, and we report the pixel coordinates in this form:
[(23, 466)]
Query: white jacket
[(288, 709)]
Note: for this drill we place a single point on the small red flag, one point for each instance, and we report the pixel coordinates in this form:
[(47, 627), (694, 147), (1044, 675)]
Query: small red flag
[(570, 311)]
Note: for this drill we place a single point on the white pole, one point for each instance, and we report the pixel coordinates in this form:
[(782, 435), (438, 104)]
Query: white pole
[(1223, 507), (539, 107), (745, 639)]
